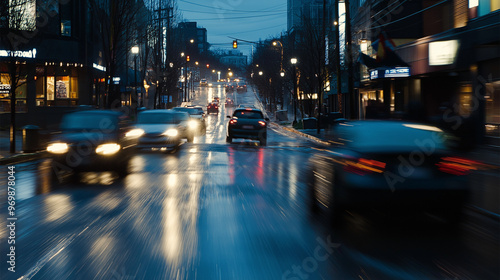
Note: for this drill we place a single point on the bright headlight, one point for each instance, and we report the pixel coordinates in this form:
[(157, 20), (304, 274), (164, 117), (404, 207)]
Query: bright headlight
[(58, 148), (135, 133), (171, 132), (193, 124), (107, 149)]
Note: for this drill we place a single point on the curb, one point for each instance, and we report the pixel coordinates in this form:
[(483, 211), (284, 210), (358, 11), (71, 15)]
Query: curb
[(23, 158), (313, 138)]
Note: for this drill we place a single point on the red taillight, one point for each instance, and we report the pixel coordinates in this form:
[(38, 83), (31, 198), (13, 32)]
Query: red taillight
[(233, 121), (262, 123), (364, 166), (456, 166)]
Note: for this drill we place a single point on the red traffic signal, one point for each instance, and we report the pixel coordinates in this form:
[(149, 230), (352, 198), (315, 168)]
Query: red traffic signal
[(208, 65), (187, 58)]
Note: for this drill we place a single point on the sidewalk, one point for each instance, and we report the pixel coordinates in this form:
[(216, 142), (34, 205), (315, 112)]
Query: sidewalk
[(8, 158)]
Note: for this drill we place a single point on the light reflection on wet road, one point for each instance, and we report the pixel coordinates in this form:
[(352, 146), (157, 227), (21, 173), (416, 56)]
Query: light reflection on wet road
[(224, 211)]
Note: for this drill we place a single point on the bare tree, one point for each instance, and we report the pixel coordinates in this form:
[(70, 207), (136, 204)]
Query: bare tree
[(16, 18), (116, 19)]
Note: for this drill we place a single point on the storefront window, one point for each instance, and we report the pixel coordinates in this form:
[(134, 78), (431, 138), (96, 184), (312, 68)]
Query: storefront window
[(492, 98), (5, 94), (62, 87)]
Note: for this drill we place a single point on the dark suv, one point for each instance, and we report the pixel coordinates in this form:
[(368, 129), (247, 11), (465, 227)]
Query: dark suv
[(95, 140), (248, 124)]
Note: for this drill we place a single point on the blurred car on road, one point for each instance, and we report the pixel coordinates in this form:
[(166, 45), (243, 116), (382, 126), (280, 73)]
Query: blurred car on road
[(213, 107), (247, 124), (229, 102), (163, 128), (93, 140), (197, 118), (388, 165), (241, 87), (247, 106), (230, 87), (203, 82)]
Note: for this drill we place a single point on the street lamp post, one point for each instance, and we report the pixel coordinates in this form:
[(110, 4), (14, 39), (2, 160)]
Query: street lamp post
[(295, 85), (135, 51)]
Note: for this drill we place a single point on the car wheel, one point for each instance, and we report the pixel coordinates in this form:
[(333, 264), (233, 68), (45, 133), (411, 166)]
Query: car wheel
[(229, 139)]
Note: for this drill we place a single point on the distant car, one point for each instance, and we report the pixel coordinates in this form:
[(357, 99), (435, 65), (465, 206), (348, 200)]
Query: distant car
[(229, 102), (92, 140), (203, 83), (213, 107), (389, 165), (216, 99), (247, 106), (158, 129), (247, 124), (241, 87), (197, 122), (230, 87)]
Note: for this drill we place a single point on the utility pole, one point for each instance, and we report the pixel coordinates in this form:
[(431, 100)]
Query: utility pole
[(337, 57), (350, 71), (322, 72), (161, 53)]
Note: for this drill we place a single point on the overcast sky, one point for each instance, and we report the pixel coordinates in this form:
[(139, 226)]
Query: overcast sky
[(249, 20)]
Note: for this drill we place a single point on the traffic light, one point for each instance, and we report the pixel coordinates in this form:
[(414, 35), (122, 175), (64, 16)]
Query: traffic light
[(235, 44), (208, 65), (187, 58)]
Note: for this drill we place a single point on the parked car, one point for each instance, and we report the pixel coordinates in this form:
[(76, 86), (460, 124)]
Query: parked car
[(92, 140), (158, 129), (197, 118), (213, 107), (388, 165), (247, 124)]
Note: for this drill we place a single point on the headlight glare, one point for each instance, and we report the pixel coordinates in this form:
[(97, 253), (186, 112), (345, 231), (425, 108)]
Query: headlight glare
[(171, 132), (193, 124), (108, 149), (58, 148), (135, 133)]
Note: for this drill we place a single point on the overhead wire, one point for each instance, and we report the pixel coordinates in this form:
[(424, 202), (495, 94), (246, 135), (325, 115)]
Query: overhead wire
[(231, 10)]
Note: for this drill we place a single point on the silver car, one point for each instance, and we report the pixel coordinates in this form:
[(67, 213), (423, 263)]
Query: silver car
[(162, 129)]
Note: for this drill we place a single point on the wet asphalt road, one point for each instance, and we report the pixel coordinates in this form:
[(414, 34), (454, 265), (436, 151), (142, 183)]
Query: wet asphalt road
[(223, 211)]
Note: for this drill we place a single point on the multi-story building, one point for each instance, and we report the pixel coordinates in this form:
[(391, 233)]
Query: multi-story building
[(63, 60), (234, 58), (452, 52)]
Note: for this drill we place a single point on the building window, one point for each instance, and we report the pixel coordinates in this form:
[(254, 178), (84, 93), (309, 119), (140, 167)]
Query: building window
[(22, 15), (57, 90), (66, 28), (5, 94)]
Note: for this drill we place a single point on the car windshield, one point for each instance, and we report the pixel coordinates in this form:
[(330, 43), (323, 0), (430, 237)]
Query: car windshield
[(248, 115), (86, 121), (157, 118), (191, 111)]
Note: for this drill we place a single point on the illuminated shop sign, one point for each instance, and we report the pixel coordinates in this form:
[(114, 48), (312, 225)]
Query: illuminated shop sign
[(22, 54), (99, 67), (4, 88), (442, 52), (396, 72)]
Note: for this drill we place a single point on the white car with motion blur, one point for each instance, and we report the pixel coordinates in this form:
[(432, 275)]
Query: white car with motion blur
[(162, 129)]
